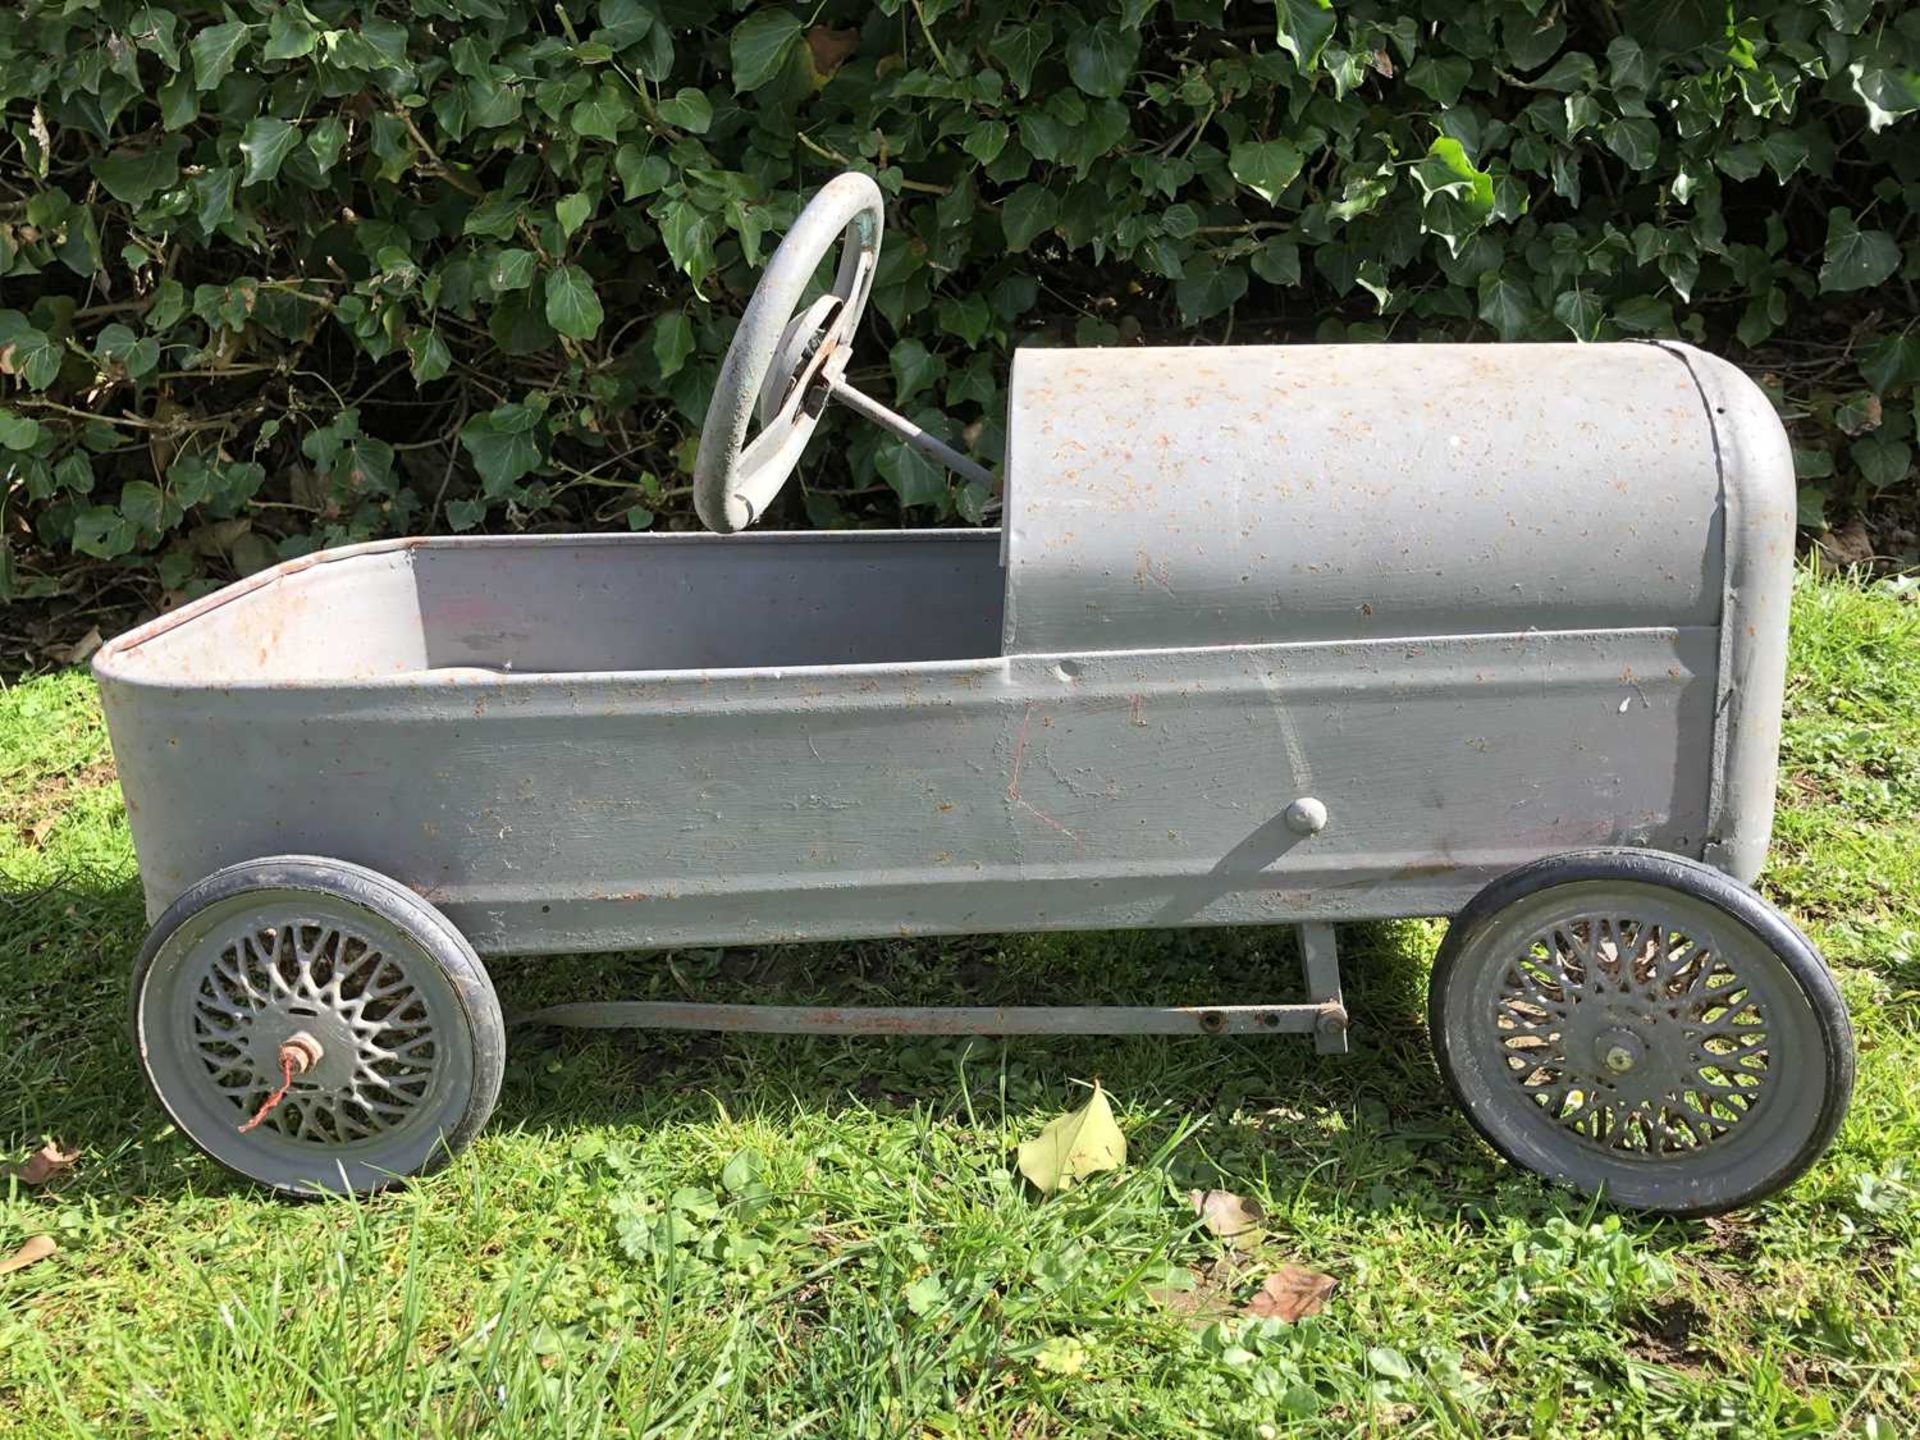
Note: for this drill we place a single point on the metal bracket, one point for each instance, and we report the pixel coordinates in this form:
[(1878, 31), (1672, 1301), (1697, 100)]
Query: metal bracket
[(1320, 963)]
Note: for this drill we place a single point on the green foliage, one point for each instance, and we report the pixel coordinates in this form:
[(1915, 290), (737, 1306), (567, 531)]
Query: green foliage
[(472, 263)]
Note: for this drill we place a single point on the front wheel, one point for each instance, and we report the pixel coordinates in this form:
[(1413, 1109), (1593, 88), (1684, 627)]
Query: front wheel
[(1641, 1027), (316, 1026)]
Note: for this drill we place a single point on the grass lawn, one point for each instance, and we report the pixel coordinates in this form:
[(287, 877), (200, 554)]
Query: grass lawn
[(773, 1236)]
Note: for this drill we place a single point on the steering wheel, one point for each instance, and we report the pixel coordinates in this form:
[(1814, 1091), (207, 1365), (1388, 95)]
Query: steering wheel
[(778, 361)]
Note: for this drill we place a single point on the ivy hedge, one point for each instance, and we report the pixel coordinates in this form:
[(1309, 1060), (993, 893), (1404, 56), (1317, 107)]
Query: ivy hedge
[(284, 273)]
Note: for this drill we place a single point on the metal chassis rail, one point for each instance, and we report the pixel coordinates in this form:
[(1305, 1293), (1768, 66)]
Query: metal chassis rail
[(1323, 1015)]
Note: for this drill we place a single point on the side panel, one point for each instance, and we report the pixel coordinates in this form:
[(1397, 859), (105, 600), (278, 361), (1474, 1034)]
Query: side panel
[(1110, 790)]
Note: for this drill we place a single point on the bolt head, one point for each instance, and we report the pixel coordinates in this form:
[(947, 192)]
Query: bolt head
[(1306, 816), (1619, 1059)]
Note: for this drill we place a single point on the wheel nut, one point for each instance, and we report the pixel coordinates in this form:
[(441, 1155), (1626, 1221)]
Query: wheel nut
[(1619, 1059), (299, 1053)]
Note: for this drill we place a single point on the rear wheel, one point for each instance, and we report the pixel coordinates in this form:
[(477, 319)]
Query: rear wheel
[(1641, 1027), (316, 1026)]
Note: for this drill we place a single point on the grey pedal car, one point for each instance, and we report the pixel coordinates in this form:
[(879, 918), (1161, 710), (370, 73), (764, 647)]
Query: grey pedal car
[(1269, 635)]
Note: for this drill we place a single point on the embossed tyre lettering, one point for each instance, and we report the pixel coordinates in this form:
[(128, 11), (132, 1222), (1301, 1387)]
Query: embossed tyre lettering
[(1641, 1027), (316, 1026)]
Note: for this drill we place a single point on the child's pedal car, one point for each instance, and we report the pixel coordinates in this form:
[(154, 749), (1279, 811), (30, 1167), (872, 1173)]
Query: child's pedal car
[(1269, 635)]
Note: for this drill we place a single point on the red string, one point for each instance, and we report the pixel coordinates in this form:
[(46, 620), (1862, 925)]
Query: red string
[(286, 1076)]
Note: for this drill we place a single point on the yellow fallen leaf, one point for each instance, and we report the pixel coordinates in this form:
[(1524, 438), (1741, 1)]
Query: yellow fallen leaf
[(1080, 1143), (36, 1249)]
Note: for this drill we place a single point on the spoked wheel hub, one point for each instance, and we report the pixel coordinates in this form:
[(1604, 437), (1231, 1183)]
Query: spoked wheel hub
[(328, 1003), (315, 1026), (1632, 1033), (1641, 1026)]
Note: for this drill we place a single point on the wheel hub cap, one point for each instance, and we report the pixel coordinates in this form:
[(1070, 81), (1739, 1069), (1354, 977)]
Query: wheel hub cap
[(372, 1036), (1633, 1034)]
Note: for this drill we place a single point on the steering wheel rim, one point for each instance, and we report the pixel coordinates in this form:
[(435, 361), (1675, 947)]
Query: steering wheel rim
[(734, 480)]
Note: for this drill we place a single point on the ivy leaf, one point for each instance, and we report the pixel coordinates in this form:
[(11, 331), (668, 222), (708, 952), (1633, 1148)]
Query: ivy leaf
[(326, 140), (688, 232), (915, 368), (428, 357), (1265, 167), (511, 270), (1440, 77), (1887, 94), (986, 140), (760, 45), (134, 177), (641, 174), (1855, 259), (504, 446), (28, 352), (572, 307), (1506, 305), (1208, 289), (214, 50), (1581, 312), (266, 143), (689, 109), (1028, 213), (968, 316), (916, 479), (603, 114), (17, 432), (1634, 140), (572, 212), (1302, 29), (1101, 57), (1458, 196), (1883, 462), (672, 342), (289, 36), (1019, 48)]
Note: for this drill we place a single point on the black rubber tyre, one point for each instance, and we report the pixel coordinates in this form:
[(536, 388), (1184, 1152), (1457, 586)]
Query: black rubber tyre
[(409, 1041), (1684, 1070)]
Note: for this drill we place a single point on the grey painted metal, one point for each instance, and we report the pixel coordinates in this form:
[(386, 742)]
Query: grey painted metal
[(943, 1019), (348, 705), (1252, 494), (734, 480), (867, 408), (1281, 636), (1754, 464), (1320, 962)]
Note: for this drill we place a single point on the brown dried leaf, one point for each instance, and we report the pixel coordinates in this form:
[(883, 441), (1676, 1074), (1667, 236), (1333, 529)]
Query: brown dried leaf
[(79, 651), (1234, 1218), (46, 1163), (830, 48), (36, 1249), (42, 828), (1291, 1293), (1849, 545)]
